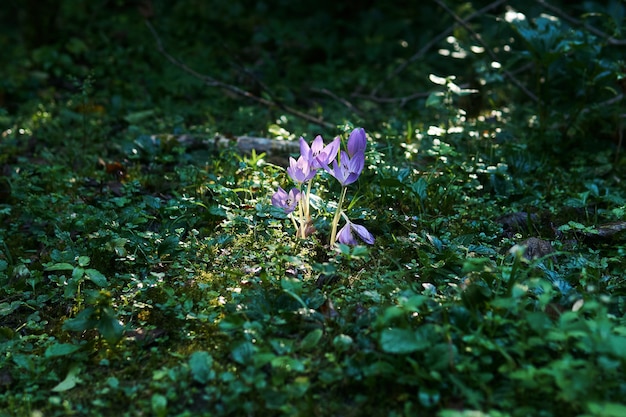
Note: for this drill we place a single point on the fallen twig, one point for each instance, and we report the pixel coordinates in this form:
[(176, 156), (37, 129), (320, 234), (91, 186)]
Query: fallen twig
[(343, 101), (213, 82), (402, 100)]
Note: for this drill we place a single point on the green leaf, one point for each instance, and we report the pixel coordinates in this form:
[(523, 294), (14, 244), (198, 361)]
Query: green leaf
[(200, 364), (342, 342), (70, 380), (83, 261), (63, 266), (311, 339), (96, 277), (61, 349), (402, 341), (287, 363), (83, 321), (109, 326), (607, 409), (137, 117), (435, 99), (419, 188), (243, 352), (291, 284), (159, 405), (77, 274), (24, 361), (8, 308)]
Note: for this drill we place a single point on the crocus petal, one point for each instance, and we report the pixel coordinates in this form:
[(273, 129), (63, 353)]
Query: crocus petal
[(279, 197), (357, 163), (345, 235), (300, 171), (357, 142), (288, 202), (317, 146), (320, 156), (363, 233), (292, 200), (329, 153), (348, 170), (339, 172), (305, 150)]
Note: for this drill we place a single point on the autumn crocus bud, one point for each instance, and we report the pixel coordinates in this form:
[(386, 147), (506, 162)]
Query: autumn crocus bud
[(357, 142)]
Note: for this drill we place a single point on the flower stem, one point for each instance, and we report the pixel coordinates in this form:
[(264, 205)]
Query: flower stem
[(307, 203), (295, 223), (301, 229), (333, 233)]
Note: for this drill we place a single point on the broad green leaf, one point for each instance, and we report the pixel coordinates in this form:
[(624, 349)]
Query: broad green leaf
[(70, 380), (419, 188), (311, 339), (138, 116), (8, 308), (201, 366), (243, 352), (83, 261), (618, 346), (414, 302), (263, 358), (287, 363), (291, 284), (401, 341), (77, 274), (109, 326), (342, 342), (96, 277), (24, 361), (83, 321), (282, 346), (390, 314), (159, 405), (60, 267), (61, 349), (435, 99), (539, 321), (607, 409), (6, 334)]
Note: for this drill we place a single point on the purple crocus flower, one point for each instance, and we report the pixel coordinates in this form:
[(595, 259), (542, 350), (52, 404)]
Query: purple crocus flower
[(346, 237), (318, 154), (300, 171), (348, 169), (357, 142), (286, 201)]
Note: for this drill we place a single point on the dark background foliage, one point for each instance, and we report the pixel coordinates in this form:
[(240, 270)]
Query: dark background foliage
[(144, 271)]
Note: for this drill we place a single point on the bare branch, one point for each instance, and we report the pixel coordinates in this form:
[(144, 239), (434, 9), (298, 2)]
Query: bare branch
[(388, 100), (343, 101), (422, 51), (213, 82), (605, 103), (609, 39), (493, 56)]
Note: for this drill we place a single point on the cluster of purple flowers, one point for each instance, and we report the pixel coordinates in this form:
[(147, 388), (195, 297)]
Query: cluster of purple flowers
[(346, 170)]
